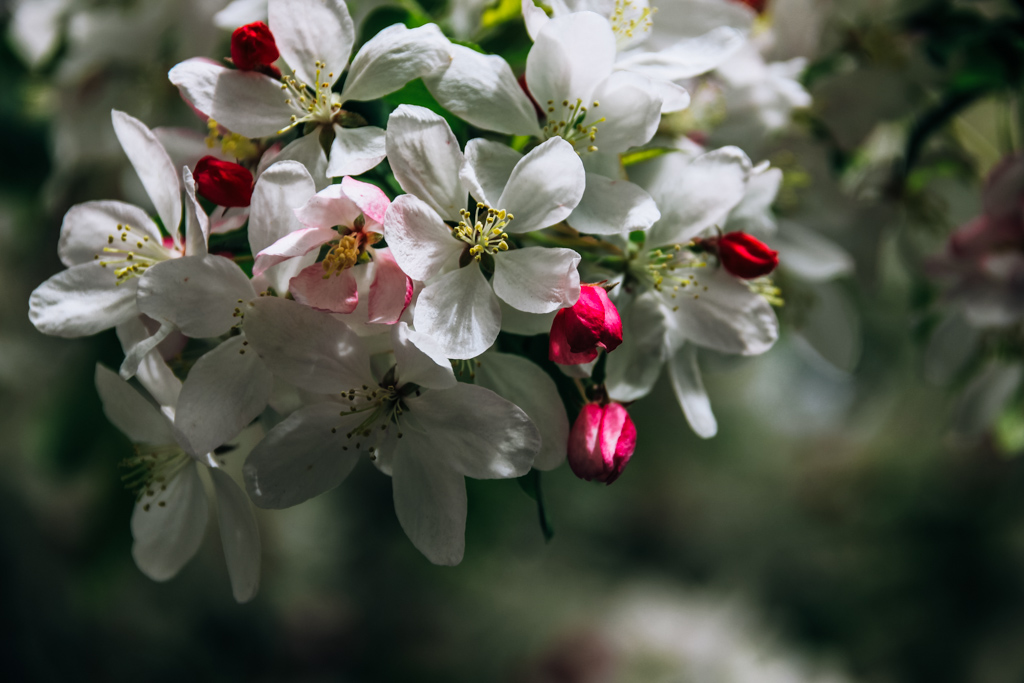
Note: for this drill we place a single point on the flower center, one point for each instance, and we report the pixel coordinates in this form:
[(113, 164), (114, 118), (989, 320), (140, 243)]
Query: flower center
[(342, 256), (658, 268), (151, 469), (131, 254), (483, 230), (383, 407), (570, 124), (630, 19), (314, 103)]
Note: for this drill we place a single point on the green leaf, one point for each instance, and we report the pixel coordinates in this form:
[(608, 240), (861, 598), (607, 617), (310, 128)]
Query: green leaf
[(499, 13), (645, 155)]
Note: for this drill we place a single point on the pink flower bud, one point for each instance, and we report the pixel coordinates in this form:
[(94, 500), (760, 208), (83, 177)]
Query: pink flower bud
[(592, 322), (253, 46), (758, 6), (602, 440), (745, 256), (222, 182)]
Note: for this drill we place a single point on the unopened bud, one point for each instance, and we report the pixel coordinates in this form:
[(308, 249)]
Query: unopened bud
[(222, 182), (758, 6), (591, 323), (601, 442), (253, 46), (745, 256)]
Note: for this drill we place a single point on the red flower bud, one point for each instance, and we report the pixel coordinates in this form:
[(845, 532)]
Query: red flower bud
[(222, 182), (592, 322), (253, 46), (758, 6), (745, 256), (602, 440)]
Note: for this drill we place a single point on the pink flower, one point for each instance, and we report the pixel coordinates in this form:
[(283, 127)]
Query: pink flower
[(592, 322), (601, 442), (348, 217)]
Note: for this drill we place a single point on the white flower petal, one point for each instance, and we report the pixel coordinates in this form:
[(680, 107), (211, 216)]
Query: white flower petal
[(309, 349), (571, 55), (475, 432), (534, 17), (460, 311), (727, 317), (545, 186), (302, 457), (419, 239), (355, 150), (430, 502), (692, 18), (811, 255), (308, 31), (537, 279), (631, 109), (634, 367), (152, 372), (695, 195), (282, 188), (81, 301), (87, 228), (425, 158), (516, 379), (488, 167), (245, 102), (392, 58), (135, 354), (239, 535), (482, 90), (153, 165), (197, 223), (686, 58), (420, 360), (613, 207), (198, 294), (167, 535), (527, 324), (689, 387), (225, 390), (129, 411), (307, 151), (754, 212)]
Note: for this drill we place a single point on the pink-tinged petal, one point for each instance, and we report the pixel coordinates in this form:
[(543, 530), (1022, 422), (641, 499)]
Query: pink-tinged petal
[(601, 442), (335, 294), (370, 199), (293, 244), (328, 208), (390, 289)]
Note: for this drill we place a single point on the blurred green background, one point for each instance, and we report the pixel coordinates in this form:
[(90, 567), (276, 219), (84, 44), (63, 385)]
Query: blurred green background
[(835, 530)]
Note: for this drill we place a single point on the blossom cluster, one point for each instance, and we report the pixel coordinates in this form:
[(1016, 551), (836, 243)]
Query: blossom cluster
[(371, 292)]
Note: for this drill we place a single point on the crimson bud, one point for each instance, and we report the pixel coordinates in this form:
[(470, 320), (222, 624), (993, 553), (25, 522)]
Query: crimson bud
[(592, 322), (745, 256), (222, 182), (601, 442), (758, 6), (253, 46)]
